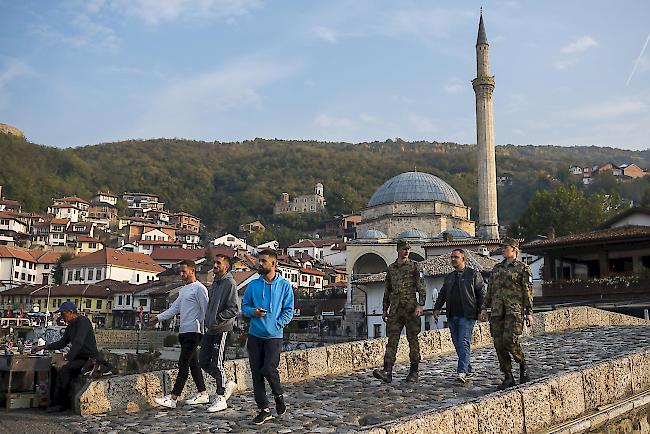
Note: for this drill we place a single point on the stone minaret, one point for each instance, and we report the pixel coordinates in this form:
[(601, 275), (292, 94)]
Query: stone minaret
[(487, 183)]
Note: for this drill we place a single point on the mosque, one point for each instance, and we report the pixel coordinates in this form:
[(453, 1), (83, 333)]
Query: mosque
[(425, 209)]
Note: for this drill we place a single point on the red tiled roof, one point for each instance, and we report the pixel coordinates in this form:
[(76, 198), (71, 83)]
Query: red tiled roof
[(317, 243), (159, 242), (72, 199), (241, 276), (9, 202), (46, 256), (22, 290), (97, 290), (59, 221), (621, 234), (8, 215), (16, 252), (119, 258), (86, 239), (312, 271), (177, 254)]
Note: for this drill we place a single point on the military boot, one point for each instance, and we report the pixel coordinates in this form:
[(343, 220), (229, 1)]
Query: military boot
[(524, 377), (412, 377), (385, 375), (508, 381)]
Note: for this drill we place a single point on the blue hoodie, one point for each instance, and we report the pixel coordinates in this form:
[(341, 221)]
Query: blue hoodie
[(277, 298)]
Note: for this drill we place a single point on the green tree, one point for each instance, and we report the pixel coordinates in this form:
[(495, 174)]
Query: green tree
[(57, 270), (567, 210)]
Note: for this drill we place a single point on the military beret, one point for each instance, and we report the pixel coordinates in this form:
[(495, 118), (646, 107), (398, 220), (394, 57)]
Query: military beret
[(403, 244), (510, 242)]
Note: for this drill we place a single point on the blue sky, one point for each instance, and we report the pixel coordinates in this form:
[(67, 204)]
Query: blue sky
[(84, 72)]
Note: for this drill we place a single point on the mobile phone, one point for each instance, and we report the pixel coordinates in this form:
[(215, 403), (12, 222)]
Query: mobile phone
[(261, 309)]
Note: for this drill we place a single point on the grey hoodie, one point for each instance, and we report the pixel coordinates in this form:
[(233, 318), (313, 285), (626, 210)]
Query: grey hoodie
[(223, 305)]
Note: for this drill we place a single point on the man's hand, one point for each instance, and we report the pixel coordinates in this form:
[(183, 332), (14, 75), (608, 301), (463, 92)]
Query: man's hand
[(36, 349), (529, 320), (419, 311), (436, 314), (482, 316), (153, 319), (259, 312), (384, 316)]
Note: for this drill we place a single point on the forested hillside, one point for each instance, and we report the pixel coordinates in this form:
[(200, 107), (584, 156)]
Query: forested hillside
[(229, 183)]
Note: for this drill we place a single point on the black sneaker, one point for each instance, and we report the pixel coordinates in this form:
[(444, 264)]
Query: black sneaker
[(280, 406), (262, 416), (383, 375)]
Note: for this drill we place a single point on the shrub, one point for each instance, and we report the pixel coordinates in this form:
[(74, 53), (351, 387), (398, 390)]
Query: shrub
[(170, 340)]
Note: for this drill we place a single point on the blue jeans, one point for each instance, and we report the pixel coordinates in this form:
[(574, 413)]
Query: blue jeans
[(461, 335)]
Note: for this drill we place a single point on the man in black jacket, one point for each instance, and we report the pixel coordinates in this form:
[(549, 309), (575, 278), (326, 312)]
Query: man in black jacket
[(223, 307), (80, 335), (464, 292)]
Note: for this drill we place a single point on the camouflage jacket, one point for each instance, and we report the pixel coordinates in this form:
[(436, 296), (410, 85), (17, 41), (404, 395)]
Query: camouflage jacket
[(511, 284), (402, 283)]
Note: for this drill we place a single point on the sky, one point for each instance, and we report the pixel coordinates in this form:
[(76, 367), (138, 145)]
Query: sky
[(75, 72)]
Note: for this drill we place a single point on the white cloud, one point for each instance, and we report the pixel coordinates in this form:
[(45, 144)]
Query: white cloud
[(203, 102), (610, 110), (421, 124), (326, 34), (328, 121), (11, 69), (564, 64), (154, 12), (455, 86), (582, 44)]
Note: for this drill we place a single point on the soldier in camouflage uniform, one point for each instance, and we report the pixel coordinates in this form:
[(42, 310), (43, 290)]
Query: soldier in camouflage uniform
[(402, 308), (510, 298)]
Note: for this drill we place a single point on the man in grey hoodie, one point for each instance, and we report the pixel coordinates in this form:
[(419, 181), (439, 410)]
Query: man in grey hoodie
[(223, 307)]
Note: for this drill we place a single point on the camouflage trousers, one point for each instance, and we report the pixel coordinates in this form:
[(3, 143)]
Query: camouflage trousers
[(506, 325), (396, 321)]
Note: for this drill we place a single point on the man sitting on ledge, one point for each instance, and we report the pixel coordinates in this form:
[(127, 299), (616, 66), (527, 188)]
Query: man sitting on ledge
[(80, 335)]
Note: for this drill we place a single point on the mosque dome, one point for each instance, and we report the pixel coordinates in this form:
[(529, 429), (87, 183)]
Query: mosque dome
[(372, 234), (413, 233), (454, 232), (415, 186)]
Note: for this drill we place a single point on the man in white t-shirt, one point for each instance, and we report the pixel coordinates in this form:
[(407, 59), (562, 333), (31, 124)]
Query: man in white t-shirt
[(191, 305)]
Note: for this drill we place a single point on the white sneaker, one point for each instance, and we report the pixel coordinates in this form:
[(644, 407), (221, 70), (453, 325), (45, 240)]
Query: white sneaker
[(200, 398), (230, 388), (462, 377), (166, 401), (218, 404), (470, 375)]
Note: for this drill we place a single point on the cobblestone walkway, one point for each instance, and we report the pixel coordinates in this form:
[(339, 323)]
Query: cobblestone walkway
[(349, 402)]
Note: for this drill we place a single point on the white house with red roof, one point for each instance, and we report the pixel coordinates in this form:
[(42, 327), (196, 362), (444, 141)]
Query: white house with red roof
[(113, 264)]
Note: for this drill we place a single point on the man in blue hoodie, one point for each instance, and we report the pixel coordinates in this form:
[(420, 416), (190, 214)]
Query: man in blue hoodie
[(268, 302)]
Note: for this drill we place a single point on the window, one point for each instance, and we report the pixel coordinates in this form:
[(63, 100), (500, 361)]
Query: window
[(22, 276), (119, 299), (90, 274), (77, 275), (143, 302), (128, 300), (109, 305), (137, 278), (88, 304), (46, 266), (69, 274), (99, 274), (98, 305), (16, 274), (93, 245), (17, 262)]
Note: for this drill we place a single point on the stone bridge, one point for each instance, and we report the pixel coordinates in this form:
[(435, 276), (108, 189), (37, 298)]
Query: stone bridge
[(590, 370)]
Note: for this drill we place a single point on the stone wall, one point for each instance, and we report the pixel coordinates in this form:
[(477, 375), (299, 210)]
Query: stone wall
[(545, 405), (113, 338), (135, 392)]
